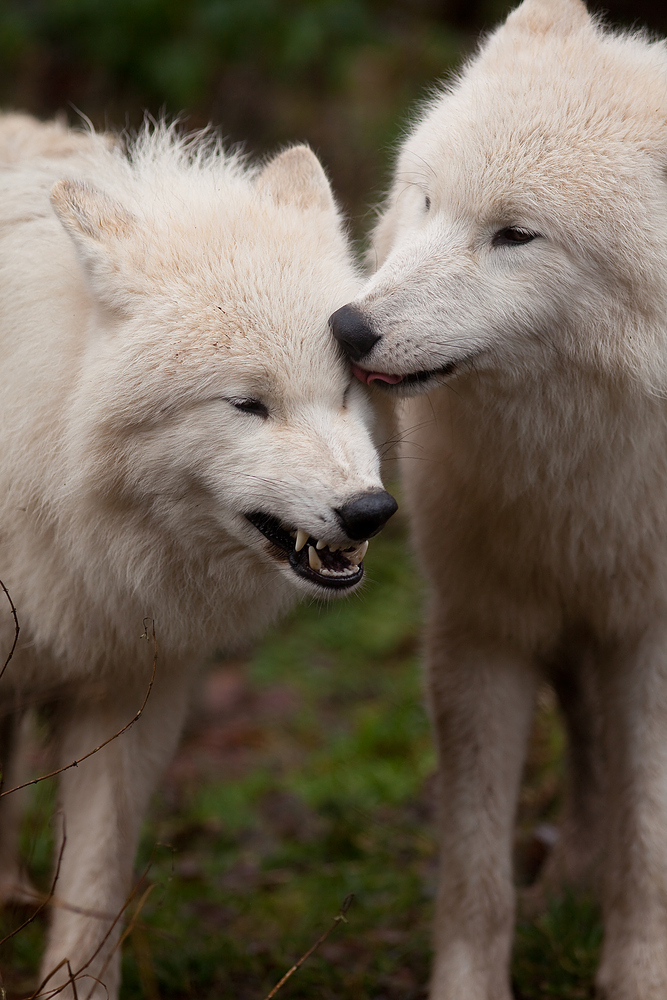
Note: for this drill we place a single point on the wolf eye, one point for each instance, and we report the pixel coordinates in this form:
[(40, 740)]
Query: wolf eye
[(511, 236), (249, 406), (427, 202)]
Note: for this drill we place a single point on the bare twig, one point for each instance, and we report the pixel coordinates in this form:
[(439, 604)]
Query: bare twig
[(115, 736), (57, 989), (81, 972), (48, 898), (17, 627), (56, 901), (72, 980), (339, 918), (128, 930)]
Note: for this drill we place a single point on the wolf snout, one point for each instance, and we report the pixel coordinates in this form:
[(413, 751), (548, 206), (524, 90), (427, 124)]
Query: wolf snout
[(365, 514), (353, 331)]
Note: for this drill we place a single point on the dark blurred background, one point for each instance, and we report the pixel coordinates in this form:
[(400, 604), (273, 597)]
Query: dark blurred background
[(340, 74)]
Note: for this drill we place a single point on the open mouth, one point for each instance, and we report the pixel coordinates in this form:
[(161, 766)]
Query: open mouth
[(414, 378), (328, 566)]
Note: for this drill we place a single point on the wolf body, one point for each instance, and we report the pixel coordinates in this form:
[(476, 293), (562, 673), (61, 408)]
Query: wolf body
[(522, 283), (178, 433)]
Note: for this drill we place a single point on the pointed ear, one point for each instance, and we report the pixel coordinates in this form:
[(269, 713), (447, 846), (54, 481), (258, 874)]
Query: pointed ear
[(100, 228), (542, 16), (296, 177), (89, 214)]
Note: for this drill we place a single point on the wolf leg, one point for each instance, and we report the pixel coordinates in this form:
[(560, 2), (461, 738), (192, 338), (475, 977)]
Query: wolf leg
[(482, 703), (633, 689), (14, 884), (576, 857), (103, 801)]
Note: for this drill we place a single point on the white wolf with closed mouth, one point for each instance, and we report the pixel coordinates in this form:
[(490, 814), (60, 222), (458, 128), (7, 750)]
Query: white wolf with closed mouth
[(181, 439), (522, 283)]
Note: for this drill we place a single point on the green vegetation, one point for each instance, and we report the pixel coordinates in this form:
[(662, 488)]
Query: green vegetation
[(340, 74), (556, 956), (306, 775)]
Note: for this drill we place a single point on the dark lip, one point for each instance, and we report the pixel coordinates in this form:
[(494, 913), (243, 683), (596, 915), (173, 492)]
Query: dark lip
[(284, 547), (417, 378)]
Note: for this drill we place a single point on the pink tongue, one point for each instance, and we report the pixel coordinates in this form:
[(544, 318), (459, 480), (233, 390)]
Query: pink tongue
[(369, 377)]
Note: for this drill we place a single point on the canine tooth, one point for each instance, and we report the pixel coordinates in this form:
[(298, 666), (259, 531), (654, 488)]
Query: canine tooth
[(321, 544), (314, 560), (301, 539), (358, 554)]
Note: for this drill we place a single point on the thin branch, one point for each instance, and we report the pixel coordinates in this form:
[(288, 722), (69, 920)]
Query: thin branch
[(128, 930), (72, 980), (48, 899), (339, 918), (17, 628), (115, 736), (57, 989), (39, 992), (108, 934), (134, 919)]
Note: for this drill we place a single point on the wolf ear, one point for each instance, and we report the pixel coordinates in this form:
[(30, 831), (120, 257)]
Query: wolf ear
[(296, 177), (98, 226), (542, 16), (89, 214)]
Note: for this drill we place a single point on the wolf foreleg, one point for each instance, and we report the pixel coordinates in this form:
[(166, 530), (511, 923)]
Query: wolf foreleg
[(482, 701), (103, 801), (634, 704)]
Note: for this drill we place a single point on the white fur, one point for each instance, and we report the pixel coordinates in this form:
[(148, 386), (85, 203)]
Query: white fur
[(537, 471), (140, 294)]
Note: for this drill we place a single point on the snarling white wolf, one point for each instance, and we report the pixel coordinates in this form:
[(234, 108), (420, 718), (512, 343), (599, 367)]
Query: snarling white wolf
[(181, 440), (522, 283)]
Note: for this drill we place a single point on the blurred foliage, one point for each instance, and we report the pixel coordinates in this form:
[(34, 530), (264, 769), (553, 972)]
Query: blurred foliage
[(340, 74), (555, 957)]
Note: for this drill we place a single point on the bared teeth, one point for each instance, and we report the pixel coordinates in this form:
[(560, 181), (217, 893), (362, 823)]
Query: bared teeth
[(358, 554), (314, 560), (301, 539), (326, 545)]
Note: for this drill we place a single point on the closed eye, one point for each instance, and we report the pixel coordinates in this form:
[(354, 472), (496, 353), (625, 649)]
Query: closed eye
[(253, 406), (512, 236)]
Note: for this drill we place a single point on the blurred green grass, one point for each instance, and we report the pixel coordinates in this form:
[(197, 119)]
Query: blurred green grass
[(311, 782)]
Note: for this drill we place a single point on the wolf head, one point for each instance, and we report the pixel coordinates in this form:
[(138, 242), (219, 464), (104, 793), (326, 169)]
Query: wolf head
[(527, 224), (214, 419)]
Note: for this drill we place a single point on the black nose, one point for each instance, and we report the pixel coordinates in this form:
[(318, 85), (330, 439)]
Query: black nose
[(353, 331), (364, 515)]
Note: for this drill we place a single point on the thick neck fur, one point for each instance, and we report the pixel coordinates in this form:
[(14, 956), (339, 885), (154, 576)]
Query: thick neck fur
[(555, 485)]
